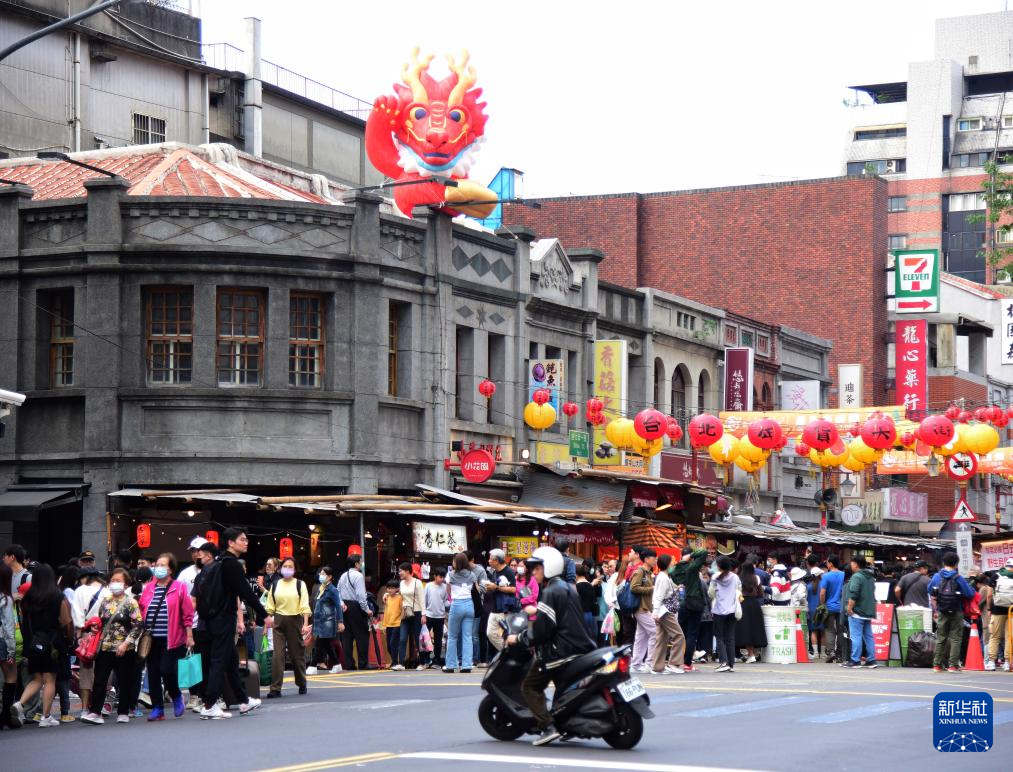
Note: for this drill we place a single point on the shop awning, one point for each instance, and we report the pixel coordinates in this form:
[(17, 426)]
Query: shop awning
[(25, 504), (817, 536), (547, 491)]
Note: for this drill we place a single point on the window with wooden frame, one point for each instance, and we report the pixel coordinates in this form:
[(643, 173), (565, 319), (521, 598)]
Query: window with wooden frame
[(170, 335), (240, 352), (305, 340), (60, 305), (392, 347)]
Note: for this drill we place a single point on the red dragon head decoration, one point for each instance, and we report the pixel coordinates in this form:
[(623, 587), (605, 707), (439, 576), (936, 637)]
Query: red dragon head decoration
[(431, 129)]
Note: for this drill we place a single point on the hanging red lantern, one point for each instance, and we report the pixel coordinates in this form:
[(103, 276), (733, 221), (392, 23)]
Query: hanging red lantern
[(1009, 412), (673, 430), (650, 424), (964, 416), (212, 536), (594, 405), (596, 419), (953, 412), (487, 388), (982, 414), (541, 396), (765, 433), (801, 449), (907, 439), (355, 550), (705, 430), (936, 431), (570, 409), (143, 536), (855, 430), (820, 434), (284, 547), (879, 433), (1000, 422)]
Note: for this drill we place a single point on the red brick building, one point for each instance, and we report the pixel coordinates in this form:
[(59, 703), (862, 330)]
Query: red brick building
[(808, 254)]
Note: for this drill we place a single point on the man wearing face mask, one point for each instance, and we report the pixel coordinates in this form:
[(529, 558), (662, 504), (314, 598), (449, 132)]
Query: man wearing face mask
[(202, 639)]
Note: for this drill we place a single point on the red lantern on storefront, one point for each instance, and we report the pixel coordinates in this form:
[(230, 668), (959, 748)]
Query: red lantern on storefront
[(801, 449), (541, 396), (143, 536), (936, 431), (907, 439), (650, 424), (570, 409), (212, 536), (673, 430), (820, 434), (879, 433), (855, 430), (765, 433), (705, 430), (487, 388), (995, 413), (982, 414), (284, 547), (965, 416), (596, 419), (354, 550), (594, 405), (953, 412)]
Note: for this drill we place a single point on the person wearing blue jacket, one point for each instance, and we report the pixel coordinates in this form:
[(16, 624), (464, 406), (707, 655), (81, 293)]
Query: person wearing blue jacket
[(328, 623), (947, 592)]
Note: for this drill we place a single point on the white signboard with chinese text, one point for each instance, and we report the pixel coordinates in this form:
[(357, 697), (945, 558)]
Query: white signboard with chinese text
[(1006, 354), (902, 504), (995, 554), (440, 538), (849, 385), (800, 395)]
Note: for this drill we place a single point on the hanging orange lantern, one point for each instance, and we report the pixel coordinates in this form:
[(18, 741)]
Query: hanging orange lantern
[(143, 536), (212, 536), (284, 548)]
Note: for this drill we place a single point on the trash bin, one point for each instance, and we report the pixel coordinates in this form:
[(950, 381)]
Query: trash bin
[(779, 623), (910, 620)]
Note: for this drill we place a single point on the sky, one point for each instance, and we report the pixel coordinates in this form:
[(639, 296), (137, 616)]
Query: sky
[(596, 97)]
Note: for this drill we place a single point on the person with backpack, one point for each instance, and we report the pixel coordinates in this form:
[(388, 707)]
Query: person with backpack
[(861, 610), (686, 573), (168, 615), (15, 557), (222, 586), (665, 602), (642, 585), (288, 607), (328, 623), (202, 558), (1002, 602), (913, 588), (8, 644), (948, 590)]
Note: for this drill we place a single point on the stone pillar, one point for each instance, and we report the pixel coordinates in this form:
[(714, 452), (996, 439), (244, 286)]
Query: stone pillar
[(105, 225), (11, 199), (253, 103), (369, 345), (276, 355)]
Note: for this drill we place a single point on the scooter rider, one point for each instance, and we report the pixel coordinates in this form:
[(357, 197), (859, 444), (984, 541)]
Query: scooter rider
[(557, 631)]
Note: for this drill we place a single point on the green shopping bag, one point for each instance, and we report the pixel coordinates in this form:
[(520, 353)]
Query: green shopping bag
[(189, 670), (263, 659)]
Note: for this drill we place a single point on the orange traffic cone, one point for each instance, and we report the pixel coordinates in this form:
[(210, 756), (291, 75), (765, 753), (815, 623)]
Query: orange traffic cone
[(974, 661), (801, 647)]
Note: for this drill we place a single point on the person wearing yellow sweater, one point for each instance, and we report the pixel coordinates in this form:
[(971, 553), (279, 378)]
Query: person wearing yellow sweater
[(288, 604)]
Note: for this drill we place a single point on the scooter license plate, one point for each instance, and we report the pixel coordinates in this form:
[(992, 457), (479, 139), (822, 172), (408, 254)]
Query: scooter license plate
[(630, 690)]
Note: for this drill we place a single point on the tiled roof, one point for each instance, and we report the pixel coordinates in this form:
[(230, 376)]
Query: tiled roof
[(960, 281), (152, 170)]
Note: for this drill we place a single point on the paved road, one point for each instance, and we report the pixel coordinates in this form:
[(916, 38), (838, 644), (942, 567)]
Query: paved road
[(763, 717)]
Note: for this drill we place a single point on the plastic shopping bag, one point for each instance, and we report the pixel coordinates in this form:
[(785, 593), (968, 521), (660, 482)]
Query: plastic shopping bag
[(425, 640), (263, 659), (189, 670), (608, 623)]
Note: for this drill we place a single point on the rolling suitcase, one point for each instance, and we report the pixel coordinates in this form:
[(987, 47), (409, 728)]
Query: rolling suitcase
[(249, 671)]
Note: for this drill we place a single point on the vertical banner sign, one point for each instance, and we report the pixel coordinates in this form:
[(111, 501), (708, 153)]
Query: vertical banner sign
[(910, 366), (738, 379), (916, 282), (849, 386), (800, 395), (547, 374), (1007, 332), (610, 388)]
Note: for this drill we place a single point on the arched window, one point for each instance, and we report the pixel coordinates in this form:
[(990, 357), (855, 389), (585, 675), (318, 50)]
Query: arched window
[(768, 402), (659, 382), (703, 391), (678, 395)]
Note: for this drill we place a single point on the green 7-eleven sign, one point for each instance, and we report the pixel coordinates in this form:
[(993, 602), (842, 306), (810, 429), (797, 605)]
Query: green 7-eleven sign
[(916, 281)]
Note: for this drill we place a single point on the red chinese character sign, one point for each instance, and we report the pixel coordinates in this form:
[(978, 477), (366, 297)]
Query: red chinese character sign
[(738, 379), (477, 465), (911, 368), (430, 130)]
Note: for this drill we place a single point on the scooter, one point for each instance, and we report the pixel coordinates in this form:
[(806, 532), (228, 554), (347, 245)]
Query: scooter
[(595, 694)]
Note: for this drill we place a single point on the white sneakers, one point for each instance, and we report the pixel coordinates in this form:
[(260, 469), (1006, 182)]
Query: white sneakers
[(989, 665), (48, 721), (216, 713), (674, 670), (699, 655), (397, 667), (336, 669), (311, 671), (722, 669), (421, 667), (123, 719), (196, 704), (750, 660), (92, 718), (252, 703), (641, 669)]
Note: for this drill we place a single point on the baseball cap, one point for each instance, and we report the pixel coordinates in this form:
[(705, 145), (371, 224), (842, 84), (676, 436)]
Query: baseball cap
[(196, 543), (86, 555), (921, 564), (816, 571)]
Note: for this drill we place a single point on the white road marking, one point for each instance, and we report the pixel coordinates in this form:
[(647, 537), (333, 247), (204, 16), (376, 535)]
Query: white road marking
[(554, 761), (390, 704)]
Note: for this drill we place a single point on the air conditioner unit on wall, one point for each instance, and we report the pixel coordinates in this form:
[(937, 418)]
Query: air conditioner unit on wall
[(891, 167)]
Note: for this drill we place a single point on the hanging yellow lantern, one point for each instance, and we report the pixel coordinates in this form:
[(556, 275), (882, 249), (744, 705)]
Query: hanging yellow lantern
[(749, 451), (981, 439), (613, 432), (725, 450), (746, 465), (539, 416), (852, 464), (861, 452)]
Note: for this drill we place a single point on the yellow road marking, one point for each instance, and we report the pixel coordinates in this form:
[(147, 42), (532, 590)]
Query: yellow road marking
[(753, 690), (340, 761)]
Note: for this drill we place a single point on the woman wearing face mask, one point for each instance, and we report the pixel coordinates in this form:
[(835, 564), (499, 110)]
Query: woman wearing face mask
[(121, 628), (527, 591), (288, 604), (328, 621), (168, 613)]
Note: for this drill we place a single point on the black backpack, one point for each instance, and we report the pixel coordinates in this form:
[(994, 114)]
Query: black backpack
[(209, 590), (948, 598)]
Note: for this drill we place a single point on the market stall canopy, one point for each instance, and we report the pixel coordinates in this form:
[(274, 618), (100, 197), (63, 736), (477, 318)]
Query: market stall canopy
[(23, 502), (794, 535), (547, 491)]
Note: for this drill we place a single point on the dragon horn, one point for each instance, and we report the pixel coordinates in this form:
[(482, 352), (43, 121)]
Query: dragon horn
[(411, 75), (466, 78)]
